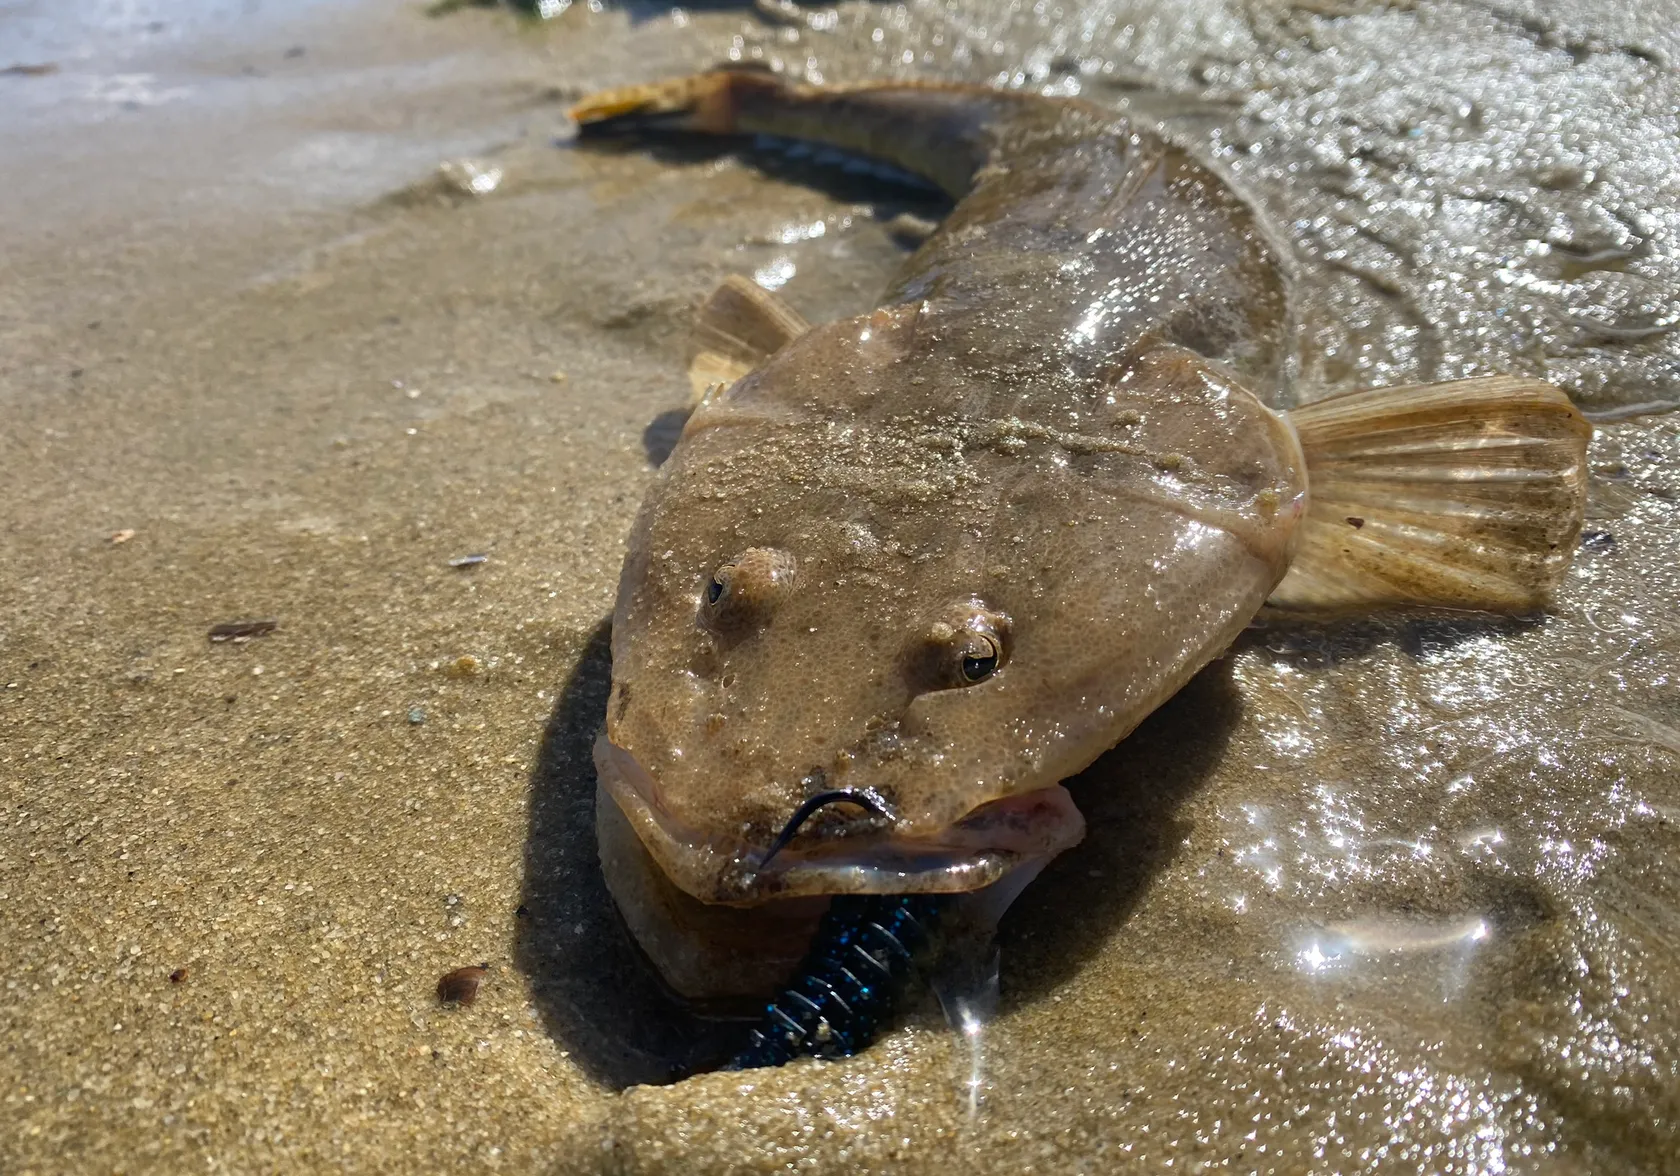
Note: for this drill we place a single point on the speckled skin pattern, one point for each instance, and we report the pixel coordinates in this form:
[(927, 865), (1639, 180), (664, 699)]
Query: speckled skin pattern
[(316, 864), (1048, 434)]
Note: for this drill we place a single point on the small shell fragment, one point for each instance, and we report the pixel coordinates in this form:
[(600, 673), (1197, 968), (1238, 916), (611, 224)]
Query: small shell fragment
[(468, 561), (465, 666), (461, 986), (243, 630), (471, 177)]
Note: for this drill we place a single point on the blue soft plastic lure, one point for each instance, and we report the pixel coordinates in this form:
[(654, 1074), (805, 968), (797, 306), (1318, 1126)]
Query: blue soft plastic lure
[(864, 950)]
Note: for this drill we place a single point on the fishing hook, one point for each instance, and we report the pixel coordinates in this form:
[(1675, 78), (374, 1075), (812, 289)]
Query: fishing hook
[(865, 798)]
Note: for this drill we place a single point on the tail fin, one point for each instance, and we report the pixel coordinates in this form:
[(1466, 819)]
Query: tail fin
[(1466, 494), (936, 130), (707, 103)]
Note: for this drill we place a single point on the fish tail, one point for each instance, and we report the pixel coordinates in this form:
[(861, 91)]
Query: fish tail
[(1463, 494), (942, 132), (708, 103)]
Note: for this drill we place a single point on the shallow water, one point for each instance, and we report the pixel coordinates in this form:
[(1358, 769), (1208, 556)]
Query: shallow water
[(1382, 895)]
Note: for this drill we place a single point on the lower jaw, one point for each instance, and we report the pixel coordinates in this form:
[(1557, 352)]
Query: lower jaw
[(718, 929), (724, 958), (707, 953)]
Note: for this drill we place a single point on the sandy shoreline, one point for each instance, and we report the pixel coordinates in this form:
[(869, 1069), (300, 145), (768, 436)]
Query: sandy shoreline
[(243, 320)]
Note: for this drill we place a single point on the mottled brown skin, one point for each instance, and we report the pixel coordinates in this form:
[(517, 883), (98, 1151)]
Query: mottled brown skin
[(1048, 439)]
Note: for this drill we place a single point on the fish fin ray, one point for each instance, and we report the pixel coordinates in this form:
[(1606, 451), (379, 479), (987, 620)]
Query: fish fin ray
[(737, 328), (1462, 494), (710, 373), (706, 103)]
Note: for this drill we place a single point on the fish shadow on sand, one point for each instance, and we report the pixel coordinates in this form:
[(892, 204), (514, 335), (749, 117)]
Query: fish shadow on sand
[(662, 434), (1316, 644), (596, 994), (843, 176), (1130, 798)]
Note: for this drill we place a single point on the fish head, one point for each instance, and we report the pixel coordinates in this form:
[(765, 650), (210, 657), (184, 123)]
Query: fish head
[(860, 637)]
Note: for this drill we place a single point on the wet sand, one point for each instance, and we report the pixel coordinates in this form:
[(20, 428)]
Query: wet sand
[(1368, 896)]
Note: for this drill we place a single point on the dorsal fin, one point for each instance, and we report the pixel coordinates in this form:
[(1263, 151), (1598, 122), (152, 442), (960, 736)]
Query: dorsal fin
[(737, 328), (1464, 494)]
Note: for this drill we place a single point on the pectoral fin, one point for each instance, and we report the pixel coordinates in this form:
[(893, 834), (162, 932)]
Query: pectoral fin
[(738, 327), (1466, 494)]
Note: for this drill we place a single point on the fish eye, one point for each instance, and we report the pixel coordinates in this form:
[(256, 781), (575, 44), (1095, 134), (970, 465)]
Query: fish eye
[(964, 649), (743, 591), (718, 594), (980, 658)]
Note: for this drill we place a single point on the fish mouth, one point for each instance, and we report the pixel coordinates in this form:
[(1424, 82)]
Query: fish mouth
[(981, 848)]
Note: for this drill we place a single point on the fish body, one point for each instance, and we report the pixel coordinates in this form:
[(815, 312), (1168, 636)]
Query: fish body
[(936, 558)]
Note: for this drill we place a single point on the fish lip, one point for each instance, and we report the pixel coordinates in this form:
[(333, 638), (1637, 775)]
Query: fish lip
[(728, 871)]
